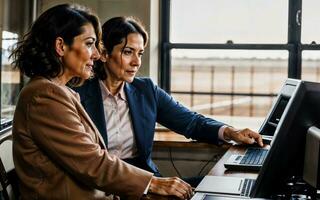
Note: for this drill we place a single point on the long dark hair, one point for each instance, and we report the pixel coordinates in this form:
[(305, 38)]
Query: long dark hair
[(114, 32), (35, 55)]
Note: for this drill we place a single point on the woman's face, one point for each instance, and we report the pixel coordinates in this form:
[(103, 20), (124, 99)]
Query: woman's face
[(78, 58), (124, 61)]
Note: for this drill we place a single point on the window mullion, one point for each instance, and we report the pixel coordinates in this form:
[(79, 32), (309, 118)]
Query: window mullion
[(294, 38)]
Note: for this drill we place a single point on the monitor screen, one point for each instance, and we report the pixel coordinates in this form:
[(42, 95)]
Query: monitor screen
[(286, 155)]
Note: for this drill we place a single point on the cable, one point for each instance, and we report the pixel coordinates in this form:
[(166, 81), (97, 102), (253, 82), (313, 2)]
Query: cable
[(174, 166), (214, 158)]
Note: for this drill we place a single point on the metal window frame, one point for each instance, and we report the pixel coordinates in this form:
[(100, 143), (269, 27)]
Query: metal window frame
[(29, 15), (293, 46)]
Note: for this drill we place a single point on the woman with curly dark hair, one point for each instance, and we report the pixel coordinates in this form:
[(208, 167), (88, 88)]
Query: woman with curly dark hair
[(58, 151)]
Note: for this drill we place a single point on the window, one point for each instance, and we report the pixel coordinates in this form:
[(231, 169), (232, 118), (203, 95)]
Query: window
[(14, 22), (10, 78), (219, 21), (310, 31), (224, 57), (311, 66), (227, 82)]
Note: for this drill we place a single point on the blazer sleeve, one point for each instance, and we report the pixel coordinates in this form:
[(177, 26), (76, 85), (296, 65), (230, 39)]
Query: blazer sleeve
[(180, 119), (57, 128)]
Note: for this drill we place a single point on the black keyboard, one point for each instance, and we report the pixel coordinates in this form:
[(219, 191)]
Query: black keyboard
[(251, 160), (247, 187), (254, 156)]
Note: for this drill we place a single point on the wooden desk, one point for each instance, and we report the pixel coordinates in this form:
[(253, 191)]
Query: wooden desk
[(171, 139), (167, 138), (219, 169)]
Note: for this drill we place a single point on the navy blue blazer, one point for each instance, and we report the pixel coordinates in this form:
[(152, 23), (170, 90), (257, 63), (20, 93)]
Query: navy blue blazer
[(149, 104)]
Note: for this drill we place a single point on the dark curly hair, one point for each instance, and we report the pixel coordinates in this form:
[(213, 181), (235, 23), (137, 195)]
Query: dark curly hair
[(35, 55), (114, 32)]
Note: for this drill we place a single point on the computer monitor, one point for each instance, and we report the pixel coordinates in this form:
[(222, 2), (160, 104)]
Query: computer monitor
[(311, 169), (286, 155), (270, 123)]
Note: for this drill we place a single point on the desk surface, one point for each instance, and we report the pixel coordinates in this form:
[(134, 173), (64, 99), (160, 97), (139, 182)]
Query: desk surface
[(253, 123), (220, 170), (167, 138)]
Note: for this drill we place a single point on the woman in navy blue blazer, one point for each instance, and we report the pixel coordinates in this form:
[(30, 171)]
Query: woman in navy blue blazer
[(125, 108)]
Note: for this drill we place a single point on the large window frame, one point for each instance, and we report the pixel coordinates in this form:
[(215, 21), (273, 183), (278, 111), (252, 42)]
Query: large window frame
[(13, 24), (293, 45)]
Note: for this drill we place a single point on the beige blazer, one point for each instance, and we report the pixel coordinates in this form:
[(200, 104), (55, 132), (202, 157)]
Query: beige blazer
[(59, 153)]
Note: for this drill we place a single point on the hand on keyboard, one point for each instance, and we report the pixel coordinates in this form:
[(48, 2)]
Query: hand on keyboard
[(245, 136)]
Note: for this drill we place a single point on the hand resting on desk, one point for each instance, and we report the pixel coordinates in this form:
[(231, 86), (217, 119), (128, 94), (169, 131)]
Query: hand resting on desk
[(245, 136), (170, 186)]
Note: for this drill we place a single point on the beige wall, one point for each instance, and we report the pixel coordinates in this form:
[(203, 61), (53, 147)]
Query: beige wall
[(146, 10)]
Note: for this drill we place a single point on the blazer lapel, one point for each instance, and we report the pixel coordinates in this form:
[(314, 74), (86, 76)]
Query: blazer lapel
[(137, 112), (89, 121), (92, 101), (86, 116)]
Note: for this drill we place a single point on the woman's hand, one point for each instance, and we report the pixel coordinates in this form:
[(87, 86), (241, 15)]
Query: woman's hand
[(246, 136), (170, 186)]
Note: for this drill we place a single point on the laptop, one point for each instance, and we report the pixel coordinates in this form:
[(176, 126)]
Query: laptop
[(251, 160), (225, 186), (267, 130), (206, 196)]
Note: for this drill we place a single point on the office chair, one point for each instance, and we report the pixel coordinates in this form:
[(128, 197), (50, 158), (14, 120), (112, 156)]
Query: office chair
[(9, 187), (4, 181), (9, 181)]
